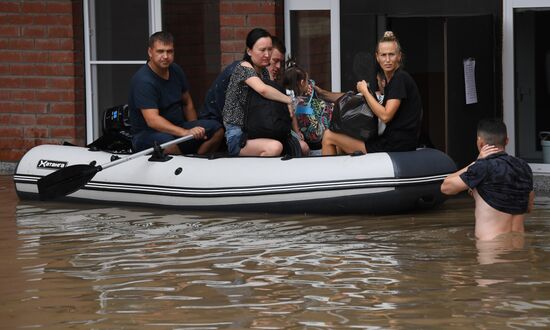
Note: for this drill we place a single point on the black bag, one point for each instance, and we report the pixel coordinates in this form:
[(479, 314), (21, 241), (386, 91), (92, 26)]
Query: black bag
[(266, 118), (353, 116)]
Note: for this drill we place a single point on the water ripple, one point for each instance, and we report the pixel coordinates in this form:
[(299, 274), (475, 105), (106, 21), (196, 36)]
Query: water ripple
[(279, 271)]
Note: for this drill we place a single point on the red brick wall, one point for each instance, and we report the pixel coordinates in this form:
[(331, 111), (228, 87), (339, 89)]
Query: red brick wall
[(237, 17), (196, 30), (41, 75)]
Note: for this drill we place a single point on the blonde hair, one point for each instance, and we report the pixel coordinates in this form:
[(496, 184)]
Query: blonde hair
[(389, 36)]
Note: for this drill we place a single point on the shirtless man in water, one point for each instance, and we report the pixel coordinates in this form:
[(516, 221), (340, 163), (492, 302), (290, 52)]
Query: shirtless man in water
[(502, 185)]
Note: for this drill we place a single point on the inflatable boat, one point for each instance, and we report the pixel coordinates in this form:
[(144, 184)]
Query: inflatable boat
[(364, 183)]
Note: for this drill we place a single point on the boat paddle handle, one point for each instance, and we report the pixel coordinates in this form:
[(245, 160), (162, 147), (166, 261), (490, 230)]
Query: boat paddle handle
[(146, 151)]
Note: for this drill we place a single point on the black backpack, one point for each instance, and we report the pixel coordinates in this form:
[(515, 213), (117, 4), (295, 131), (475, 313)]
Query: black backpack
[(266, 118)]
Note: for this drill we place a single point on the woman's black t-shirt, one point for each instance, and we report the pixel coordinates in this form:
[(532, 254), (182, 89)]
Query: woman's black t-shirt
[(401, 133)]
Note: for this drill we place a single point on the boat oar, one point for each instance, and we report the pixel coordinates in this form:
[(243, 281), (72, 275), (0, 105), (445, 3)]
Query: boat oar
[(71, 178)]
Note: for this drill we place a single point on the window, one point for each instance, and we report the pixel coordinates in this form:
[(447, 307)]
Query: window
[(526, 76), (312, 38), (116, 36), (115, 47), (532, 78)]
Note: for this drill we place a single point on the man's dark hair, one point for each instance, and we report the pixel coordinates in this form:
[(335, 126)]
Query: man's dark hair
[(492, 131), (278, 44), (161, 36)]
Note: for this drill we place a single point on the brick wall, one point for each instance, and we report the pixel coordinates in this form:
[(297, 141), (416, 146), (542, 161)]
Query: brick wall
[(41, 75), (196, 29), (237, 17)]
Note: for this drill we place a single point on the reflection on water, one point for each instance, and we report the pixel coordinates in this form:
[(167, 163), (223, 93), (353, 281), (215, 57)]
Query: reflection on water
[(85, 266)]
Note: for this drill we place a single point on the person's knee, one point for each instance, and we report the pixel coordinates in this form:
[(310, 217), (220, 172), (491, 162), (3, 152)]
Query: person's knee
[(145, 140), (172, 150), (218, 135), (273, 148), (217, 138), (327, 138), (305, 148)]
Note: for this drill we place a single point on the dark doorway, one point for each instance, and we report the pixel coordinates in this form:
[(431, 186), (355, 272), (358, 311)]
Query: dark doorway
[(422, 40), (469, 38), (435, 49)]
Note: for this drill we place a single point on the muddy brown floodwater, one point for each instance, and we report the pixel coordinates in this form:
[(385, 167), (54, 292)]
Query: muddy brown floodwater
[(84, 266)]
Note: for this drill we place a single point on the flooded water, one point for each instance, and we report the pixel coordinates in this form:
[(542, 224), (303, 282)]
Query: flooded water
[(83, 266)]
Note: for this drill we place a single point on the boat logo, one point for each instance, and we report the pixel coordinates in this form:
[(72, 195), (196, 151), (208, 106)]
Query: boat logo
[(44, 163)]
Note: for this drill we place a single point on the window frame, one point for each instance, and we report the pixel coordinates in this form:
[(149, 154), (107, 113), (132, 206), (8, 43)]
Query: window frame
[(508, 74), (334, 7), (91, 66)]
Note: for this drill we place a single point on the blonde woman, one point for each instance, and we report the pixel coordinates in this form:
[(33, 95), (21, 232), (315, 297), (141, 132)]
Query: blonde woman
[(401, 109)]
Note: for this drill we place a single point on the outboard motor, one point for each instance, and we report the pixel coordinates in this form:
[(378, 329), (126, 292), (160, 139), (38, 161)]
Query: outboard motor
[(116, 136), (116, 119)]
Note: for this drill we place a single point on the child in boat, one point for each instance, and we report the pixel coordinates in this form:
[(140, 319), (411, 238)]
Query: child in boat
[(312, 114)]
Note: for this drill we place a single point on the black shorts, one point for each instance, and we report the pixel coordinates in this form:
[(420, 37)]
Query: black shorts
[(383, 143)]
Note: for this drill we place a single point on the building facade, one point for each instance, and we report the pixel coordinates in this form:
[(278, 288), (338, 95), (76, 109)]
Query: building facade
[(64, 62)]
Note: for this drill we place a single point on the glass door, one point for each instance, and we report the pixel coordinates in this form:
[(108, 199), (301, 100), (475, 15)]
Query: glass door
[(312, 39), (115, 42), (526, 76)]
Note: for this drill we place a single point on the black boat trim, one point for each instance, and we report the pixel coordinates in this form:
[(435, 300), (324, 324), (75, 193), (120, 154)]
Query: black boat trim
[(290, 188)]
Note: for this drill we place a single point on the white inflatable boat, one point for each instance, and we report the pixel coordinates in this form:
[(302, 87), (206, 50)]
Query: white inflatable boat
[(372, 183)]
